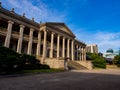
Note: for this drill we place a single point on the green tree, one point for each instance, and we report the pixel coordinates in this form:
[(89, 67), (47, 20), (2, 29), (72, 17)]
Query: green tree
[(9, 60), (97, 60), (117, 60)]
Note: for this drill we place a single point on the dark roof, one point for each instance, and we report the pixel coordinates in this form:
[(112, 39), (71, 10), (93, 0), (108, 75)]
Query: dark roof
[(109, 50)]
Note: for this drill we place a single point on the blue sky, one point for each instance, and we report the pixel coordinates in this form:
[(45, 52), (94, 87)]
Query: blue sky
[(92, 21)]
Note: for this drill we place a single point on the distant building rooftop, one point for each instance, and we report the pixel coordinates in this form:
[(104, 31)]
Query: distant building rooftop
[(109, 50)]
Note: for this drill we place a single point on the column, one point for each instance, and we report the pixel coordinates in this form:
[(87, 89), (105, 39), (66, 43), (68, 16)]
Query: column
[(80, 53), (91, 48), (58, 46), (19, 45), (52, 47), (38, 44), (77, 51), (68, 48), (8, 36), (63, 48), (72, 50), (84, 54), (29, 51), (44, 44)]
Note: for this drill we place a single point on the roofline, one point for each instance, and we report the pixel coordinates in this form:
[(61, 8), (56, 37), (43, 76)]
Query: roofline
[(62, 23), (17, 16)]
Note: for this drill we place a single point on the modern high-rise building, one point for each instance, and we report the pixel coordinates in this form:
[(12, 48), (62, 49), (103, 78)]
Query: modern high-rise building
[(92, 48)]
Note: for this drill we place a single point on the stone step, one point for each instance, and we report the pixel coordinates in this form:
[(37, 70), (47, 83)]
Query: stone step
[(75, 65)]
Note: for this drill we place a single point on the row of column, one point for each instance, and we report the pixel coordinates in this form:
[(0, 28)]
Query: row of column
[(80, 53), (20, 39), (58, 46)]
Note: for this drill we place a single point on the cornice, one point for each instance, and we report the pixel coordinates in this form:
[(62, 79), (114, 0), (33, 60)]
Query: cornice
[(18, 17)]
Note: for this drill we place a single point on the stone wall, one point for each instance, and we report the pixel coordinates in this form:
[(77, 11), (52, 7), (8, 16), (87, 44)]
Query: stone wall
[(87, 64), (54, 63)]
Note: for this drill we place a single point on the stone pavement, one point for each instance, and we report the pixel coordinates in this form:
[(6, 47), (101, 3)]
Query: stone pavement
[(72, 80)]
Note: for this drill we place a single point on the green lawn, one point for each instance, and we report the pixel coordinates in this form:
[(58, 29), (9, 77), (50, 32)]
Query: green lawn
[(36, 71)]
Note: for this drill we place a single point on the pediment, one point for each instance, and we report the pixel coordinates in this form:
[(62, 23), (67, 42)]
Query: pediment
[(61, 27)]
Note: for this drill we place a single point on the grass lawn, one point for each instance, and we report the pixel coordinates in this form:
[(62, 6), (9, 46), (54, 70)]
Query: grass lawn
[(36, 71), (40, 71), (112, 67)]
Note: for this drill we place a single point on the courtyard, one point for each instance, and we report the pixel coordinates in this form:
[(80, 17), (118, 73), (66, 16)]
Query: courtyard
[(103, 79)]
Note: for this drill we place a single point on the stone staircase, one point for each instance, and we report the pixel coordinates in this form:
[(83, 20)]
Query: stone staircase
[(75, 65)]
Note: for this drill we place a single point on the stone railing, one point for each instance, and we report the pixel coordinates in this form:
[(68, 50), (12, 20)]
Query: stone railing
[(15, 34), (26, 38), (3, 31)]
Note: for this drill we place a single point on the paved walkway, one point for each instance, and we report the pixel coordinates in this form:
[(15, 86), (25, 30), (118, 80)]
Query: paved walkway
[(73, 80)]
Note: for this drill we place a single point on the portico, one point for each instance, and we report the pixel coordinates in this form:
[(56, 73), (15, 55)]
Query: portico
[(47, 41)]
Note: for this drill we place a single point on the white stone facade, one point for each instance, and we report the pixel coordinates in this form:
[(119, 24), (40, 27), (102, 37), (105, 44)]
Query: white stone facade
[(92, 48), (47, 41)]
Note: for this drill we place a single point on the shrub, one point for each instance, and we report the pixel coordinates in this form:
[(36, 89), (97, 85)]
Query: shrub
[(9, 60), (29, 59), (99, 63), (117, 60), (97, 60), (30, 66), (44, 66)]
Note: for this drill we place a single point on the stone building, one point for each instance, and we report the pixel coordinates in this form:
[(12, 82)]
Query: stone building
[(92, 48), (110, 54), (50, 42)]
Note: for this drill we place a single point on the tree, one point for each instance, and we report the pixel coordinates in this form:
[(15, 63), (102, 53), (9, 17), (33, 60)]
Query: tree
[(9, 60), (97, 60), (117, 60)]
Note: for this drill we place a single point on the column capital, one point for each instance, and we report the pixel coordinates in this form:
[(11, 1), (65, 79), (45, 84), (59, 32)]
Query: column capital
[(22, 26), (31, 29), (58, 35), (73, 40), (64, 37), (68, 39), (77, 46), (39, 31), (52, 33), (11, 22), (45, 30)]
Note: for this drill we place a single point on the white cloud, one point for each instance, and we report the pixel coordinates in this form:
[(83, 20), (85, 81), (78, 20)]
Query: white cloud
[(107, 40), (104, 40), (107, 36), (40, 12)]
